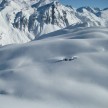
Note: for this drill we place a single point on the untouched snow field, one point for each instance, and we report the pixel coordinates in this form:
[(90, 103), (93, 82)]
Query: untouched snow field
[(65, 69)]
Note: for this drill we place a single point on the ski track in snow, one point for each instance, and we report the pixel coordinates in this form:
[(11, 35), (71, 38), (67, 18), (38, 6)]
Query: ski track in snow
[(57, 71)]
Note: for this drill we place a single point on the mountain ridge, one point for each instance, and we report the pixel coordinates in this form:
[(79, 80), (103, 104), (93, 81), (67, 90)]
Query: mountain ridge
[(23, 21)]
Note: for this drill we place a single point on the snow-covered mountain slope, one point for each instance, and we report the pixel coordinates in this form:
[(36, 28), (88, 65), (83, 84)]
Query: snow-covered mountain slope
[(57, 72), (92, 17), (24, 20), (52, 17), (78, 31)]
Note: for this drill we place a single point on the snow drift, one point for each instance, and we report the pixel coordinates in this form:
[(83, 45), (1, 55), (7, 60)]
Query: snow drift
[(58, 71)]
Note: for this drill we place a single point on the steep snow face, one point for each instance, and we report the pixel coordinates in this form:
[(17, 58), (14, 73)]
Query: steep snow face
[(104, 16), (8, 31), (91, 16), (92, 10), (69, 70), (24, 20), (52, 17)]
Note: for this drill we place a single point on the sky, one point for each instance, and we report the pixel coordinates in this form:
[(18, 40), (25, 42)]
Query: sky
[(91, 3)]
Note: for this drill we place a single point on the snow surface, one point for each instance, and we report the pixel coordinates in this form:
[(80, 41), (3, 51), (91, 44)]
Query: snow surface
[(66, 69)]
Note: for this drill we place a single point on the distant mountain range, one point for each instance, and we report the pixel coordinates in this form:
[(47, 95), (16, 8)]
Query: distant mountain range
[(24, 20)]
